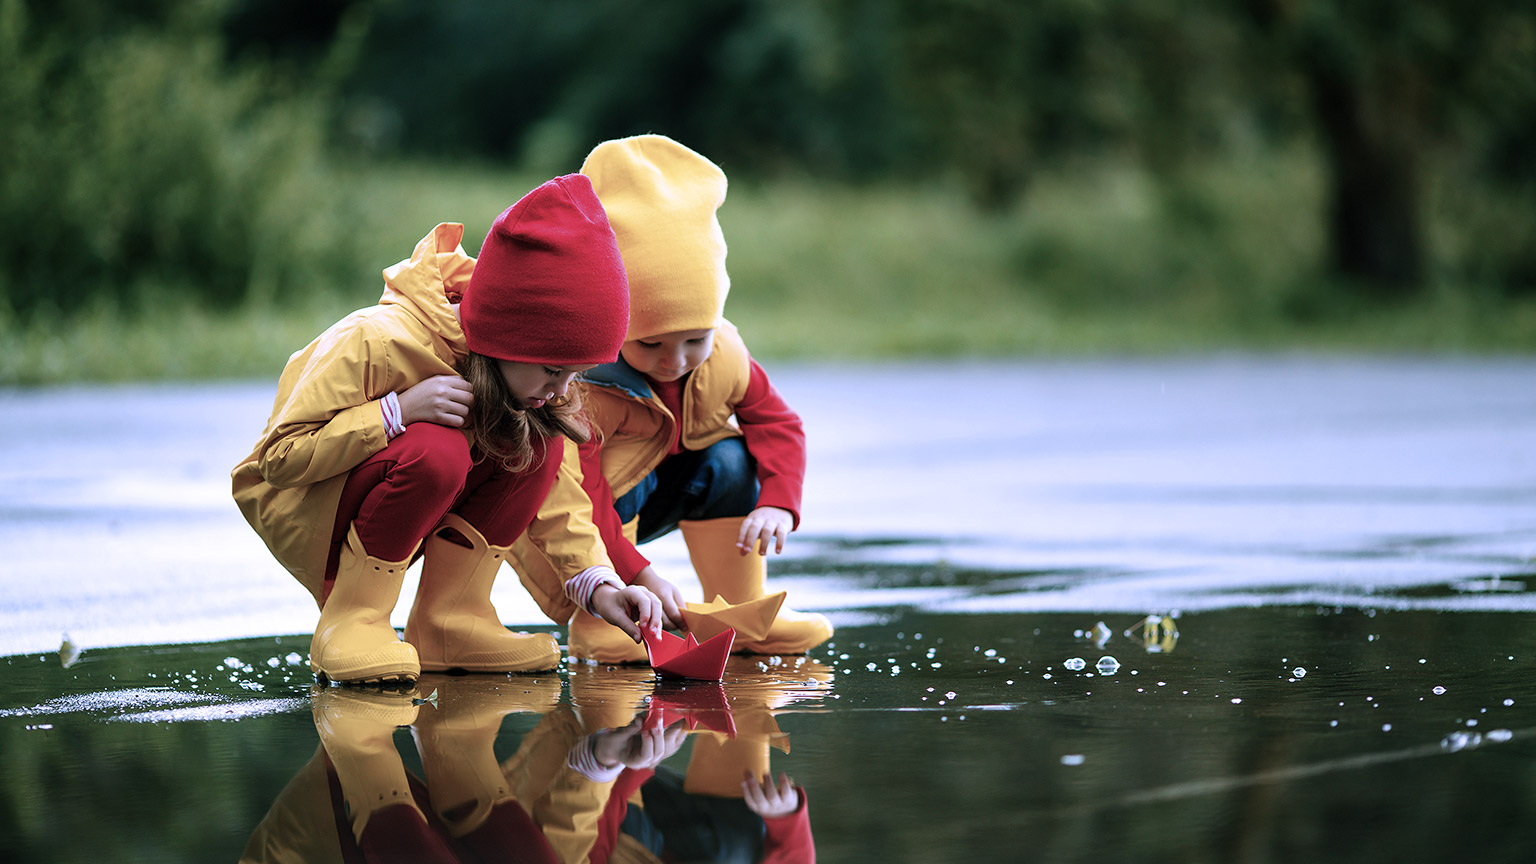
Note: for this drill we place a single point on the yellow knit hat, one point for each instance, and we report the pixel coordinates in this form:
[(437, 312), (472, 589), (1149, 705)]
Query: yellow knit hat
[(661, 200)]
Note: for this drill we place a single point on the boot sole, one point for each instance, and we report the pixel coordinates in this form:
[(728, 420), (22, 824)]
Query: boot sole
[(383, 681)]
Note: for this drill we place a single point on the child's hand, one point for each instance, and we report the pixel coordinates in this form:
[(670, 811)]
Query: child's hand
[(761, 526), (441, 399), (631, 609), (639, 745), (671, 598), (767, 800)]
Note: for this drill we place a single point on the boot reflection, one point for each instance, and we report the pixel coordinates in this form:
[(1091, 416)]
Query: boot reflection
[(595, 780), (355, 801), (455, 733)]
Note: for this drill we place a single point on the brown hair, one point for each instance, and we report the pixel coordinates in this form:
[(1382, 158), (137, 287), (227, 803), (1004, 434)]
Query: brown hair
[(505, 431)]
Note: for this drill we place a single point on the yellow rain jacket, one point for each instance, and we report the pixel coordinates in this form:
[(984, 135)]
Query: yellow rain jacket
[(327, 419)]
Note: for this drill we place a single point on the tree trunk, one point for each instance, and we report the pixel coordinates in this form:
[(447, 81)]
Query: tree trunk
[(1370, 123)]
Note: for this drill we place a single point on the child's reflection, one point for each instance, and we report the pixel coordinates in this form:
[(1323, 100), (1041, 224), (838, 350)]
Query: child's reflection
[(593, 778), (588, 784)]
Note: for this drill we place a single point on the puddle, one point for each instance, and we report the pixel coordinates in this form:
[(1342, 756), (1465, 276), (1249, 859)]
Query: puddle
[(1313, 733)]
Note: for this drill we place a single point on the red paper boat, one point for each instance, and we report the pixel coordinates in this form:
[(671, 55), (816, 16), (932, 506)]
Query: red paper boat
[(697, 706), (675, 657)]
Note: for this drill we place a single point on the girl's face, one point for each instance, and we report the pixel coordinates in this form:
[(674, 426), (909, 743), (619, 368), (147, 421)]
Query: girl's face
[(669, 356), (533, 384)]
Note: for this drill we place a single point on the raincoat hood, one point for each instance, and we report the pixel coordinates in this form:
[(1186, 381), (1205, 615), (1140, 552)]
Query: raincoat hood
[(431, 281)]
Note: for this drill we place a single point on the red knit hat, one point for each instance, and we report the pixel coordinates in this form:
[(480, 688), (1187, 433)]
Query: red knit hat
[(549, 286)]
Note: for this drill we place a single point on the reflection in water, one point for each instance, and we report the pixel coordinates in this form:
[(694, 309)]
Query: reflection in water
[(1159, 633), (588, 783)]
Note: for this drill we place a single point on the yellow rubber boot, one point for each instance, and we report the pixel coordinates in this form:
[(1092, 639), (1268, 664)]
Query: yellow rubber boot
[(594, 640), (357, 731), (718, 764), (354, 642), (456, 734), (724, 572), (453, 624)]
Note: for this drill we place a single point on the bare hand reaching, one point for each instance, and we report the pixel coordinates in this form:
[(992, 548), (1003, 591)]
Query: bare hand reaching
[(762, 526), (631, 609), (671, 599)]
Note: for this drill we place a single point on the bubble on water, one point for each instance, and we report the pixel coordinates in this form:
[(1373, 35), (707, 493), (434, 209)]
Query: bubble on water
[(1107, 665), (990, 652), (1237, 700), (1076, 664), (1438, 690), (870, 667), (1386, 727), (293, 658), (1499, 736), (1046, 676), (1073, 759), (949, 695), (1333, 722), (1422, 661), (1458, 741), (232, 661), (1299, 672), (273, 662)]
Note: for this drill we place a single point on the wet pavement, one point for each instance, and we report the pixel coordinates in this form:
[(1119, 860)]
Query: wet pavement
[(1211, 609)]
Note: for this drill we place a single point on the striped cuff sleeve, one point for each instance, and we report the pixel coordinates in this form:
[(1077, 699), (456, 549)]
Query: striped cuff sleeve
[(583, 585), (585, 763)]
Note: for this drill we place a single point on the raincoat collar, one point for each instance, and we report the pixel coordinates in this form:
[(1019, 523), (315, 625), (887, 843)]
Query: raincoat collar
[(620, 375)]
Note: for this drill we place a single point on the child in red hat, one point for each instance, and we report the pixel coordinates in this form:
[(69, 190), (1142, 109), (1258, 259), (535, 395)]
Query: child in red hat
[(437, 423)]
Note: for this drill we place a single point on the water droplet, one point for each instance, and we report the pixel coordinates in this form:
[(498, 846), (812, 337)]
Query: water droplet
[(1076, 664), (1073, 759), (1457, 741), (1236, 700), (1508, 702), (1386, 727), (1499, 736)]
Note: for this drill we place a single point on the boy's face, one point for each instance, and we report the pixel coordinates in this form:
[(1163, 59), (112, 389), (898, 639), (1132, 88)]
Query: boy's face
[(533, 384), (669, 356)]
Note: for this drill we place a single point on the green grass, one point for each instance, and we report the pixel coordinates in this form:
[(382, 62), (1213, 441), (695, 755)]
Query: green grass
[(1092, 262)]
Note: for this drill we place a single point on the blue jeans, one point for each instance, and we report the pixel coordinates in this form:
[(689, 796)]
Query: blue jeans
[(713, 483)]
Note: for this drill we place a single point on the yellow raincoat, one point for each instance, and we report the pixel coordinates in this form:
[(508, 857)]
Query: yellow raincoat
[(327, 419)]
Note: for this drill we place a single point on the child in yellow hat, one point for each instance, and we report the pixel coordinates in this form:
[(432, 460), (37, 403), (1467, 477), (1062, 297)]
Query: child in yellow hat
[(692, 434)]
